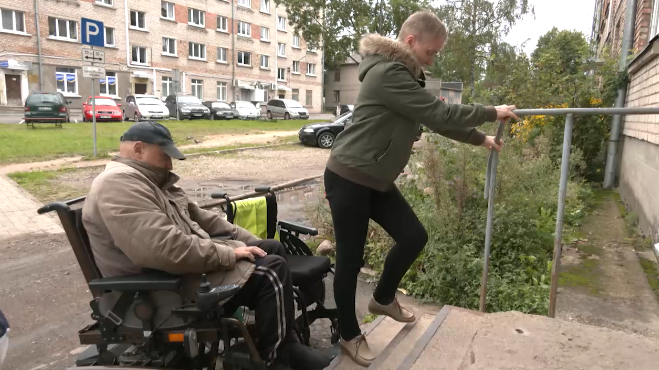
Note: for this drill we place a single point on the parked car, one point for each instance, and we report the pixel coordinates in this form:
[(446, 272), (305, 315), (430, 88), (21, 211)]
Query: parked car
[(221, 110), (46, 107), (287, 109), (106, 110), (246, 110), (145, 107), (187, 106), (323, 134)]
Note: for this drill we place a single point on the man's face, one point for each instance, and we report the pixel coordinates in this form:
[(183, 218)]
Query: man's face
[(153, 155), (425, 48)]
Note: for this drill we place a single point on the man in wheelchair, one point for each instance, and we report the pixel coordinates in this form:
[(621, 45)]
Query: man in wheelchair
[(137, 218)]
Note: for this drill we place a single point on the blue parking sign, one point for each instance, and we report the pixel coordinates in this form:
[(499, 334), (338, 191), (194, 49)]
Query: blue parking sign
[(92, 32)]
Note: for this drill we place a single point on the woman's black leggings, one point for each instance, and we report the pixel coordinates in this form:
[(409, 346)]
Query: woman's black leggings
[(352, 206)]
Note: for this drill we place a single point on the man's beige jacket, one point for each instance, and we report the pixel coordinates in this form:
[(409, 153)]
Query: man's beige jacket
[(137, 218)]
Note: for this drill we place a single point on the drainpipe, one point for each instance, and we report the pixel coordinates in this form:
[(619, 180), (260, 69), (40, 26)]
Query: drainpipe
[(616, 125), (233, 51), (183, 82), (36, 22), (127, 22), (276, 92)]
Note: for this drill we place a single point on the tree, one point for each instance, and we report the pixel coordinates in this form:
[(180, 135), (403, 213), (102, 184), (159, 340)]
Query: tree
[(340, 24), (475, 26)]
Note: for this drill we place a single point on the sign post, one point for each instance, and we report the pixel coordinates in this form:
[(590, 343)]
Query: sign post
[(93, 34)]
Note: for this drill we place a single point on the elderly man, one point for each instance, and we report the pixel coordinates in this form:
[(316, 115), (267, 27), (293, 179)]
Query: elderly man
[(136, 217), (369, 155)]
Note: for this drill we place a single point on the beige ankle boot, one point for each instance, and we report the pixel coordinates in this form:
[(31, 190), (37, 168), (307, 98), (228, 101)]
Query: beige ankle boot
[(357, 349), (393, 310)]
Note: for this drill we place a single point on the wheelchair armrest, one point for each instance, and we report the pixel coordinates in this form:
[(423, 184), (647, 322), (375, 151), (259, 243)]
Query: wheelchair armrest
[(137, 282), (297, 228)]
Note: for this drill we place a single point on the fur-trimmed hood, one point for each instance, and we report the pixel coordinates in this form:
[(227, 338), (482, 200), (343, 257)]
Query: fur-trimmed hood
[(390, 49)]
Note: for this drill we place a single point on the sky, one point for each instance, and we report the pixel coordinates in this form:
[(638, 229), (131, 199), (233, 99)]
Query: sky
[(562, 14)]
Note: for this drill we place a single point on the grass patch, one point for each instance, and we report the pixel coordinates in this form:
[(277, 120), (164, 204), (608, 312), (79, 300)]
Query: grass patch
[(651, 272), (20, 144), (583, 276), (369, 318), (44, 185)]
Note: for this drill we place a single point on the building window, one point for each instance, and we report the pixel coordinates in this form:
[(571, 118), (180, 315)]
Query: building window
[(198, 89), (197, 51), (104, 2), (654, 28), (281, 50), (296, 66), (138, 19), (139, 55), (244, 29), (222, 55), (222, 91), (281, 74), (168, 46), (309, 101), (196, 17), (67, 81), (12, 20), (265, 34), (244, 59), (109, 36), (265, 61), (245, 3), (265, 6), (167, 86), (311, 69), (337, 96), (296, 41), (296, 95), (281, 23), (108, 84), (167, 10), (337, 75), (222, 24), (61, 28)]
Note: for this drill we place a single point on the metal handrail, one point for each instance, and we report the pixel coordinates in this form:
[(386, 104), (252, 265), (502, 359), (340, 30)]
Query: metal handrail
[(490, 185)]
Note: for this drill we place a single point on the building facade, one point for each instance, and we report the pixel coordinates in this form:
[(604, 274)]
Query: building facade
[(213, 49), (638, 153)]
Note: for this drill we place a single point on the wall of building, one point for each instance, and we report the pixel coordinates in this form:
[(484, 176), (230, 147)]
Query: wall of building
[(347, 86), (67, 53), (639, 160)]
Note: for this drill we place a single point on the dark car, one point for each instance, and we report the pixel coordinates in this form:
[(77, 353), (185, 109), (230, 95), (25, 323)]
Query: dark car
[(186, 107), (46, 107), (221, 110), (323, 134)]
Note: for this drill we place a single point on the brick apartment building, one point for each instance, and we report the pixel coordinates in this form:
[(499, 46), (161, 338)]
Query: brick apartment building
[(223, 49), (638, 175)]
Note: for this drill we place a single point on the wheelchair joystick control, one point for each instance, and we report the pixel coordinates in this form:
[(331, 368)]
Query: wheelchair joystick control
[(204, 285)]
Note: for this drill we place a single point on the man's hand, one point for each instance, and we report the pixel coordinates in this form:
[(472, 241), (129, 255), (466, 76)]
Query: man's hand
[(505, 113), (249, 253), (489, 143)]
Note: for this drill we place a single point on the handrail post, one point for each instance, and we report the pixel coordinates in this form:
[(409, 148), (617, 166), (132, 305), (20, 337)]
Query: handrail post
[(560, 213), (490, 187)]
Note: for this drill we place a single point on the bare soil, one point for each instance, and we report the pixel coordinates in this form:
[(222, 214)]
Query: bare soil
[(602, 281)]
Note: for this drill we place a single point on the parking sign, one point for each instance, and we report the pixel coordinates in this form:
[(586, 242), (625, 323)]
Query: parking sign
[(92, 32)]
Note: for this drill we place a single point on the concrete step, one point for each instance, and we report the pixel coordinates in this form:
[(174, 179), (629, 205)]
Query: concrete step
[(393, 355), (379, 334), (446, 342)]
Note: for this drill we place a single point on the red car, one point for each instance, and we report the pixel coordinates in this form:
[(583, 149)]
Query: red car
[(106, 110)]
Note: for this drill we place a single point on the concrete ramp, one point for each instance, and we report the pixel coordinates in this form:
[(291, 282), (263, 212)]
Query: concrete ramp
[(459, 339)]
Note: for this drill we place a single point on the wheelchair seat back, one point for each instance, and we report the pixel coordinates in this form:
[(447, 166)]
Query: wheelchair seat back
[(256, 215)]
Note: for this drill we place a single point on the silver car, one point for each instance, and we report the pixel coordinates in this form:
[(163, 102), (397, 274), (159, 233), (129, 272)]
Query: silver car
[(139, 107), (287, 109)]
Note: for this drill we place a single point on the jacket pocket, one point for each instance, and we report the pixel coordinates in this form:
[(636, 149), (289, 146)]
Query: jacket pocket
[(386, 150)]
